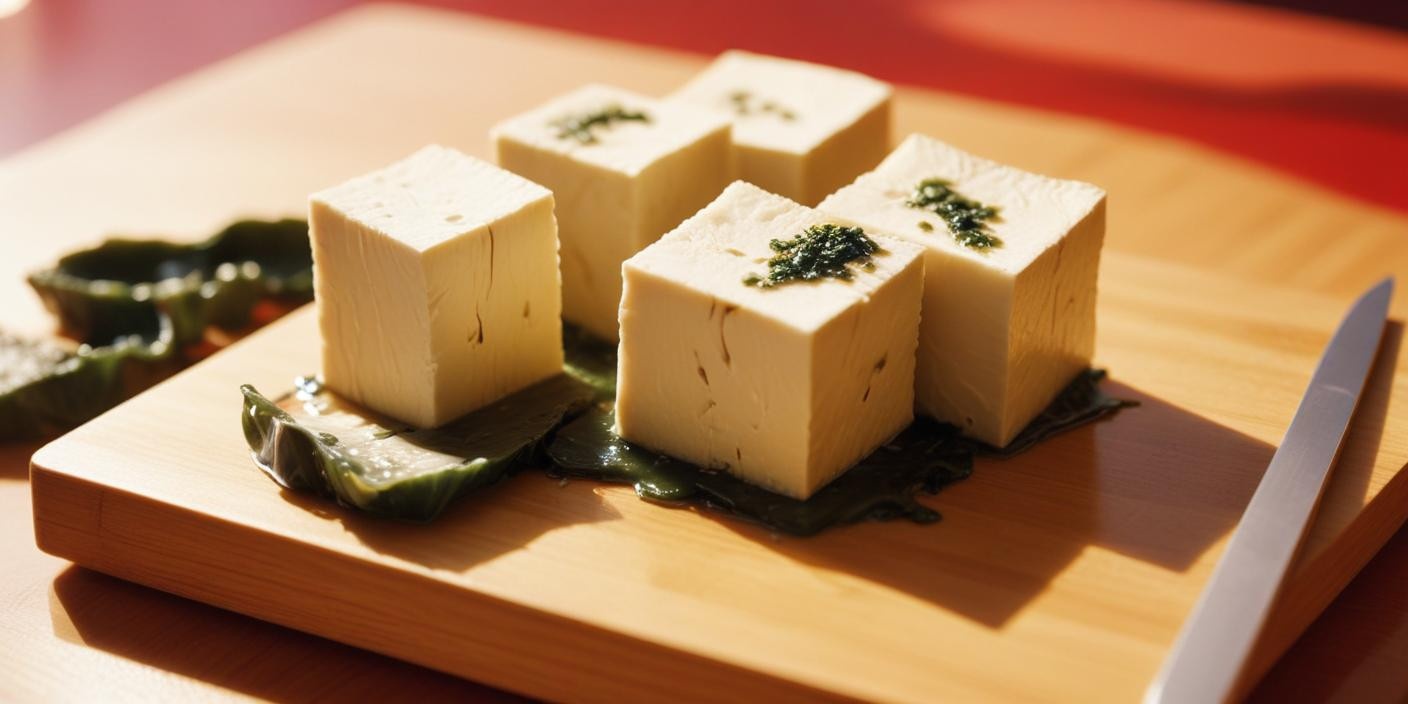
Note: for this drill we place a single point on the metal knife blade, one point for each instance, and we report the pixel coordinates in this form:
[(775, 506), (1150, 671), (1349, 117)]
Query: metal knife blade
[(1216, 641)]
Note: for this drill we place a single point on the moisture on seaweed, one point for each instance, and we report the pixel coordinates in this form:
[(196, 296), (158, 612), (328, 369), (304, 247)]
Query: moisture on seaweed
[(926, 456), (137, 307), (108, 291), (314, 442), (47, 390)]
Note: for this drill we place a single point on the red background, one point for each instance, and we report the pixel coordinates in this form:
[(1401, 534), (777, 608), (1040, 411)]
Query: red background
[(1324, 100)]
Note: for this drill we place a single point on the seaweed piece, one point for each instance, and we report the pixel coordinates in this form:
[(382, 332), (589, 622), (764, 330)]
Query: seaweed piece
[(926, 456), (314, 441), (45, 389), (581, 126), (821, 251), (138, 307), (591, 360), (967, 219), (1081, 402), (111, 290)]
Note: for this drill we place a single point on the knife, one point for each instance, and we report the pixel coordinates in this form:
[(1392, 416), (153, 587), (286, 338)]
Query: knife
[(1212, 649)]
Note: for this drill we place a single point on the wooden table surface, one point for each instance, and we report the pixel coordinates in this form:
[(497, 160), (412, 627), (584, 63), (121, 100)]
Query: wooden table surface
[(70, 634)]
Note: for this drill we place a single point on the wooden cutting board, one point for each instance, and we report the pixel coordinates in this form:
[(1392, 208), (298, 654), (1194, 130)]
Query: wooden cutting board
[(1062, 574)]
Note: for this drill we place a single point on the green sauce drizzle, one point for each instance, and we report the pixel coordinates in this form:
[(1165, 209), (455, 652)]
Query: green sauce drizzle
[(744, 103), (581, 126), (967, 219), (821, 251)]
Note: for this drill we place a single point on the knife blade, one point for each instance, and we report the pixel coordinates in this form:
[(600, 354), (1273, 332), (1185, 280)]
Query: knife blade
[(1216, 641)]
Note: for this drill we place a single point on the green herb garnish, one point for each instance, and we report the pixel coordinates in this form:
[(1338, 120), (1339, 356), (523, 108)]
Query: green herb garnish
[(967, 219), (821, 251), (580, 126), (745, 104), (926, 226)]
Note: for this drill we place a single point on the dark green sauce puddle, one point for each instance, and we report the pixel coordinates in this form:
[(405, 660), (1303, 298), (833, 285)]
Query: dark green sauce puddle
[(574, 439)]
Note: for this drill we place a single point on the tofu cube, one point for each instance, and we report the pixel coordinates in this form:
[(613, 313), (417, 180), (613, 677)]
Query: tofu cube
[(436, 286), (799, 130), (1005, 328), (785, 387), (625, 169)]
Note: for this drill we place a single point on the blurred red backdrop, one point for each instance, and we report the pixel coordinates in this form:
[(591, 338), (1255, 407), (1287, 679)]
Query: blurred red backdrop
[(1322, 99)]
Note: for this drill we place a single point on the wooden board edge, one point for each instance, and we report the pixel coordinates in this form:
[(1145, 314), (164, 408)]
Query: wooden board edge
[(179, 551), (1303, 600)]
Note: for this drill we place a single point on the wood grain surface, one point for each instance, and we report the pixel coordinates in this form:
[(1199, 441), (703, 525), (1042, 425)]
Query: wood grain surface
[(285, 120)]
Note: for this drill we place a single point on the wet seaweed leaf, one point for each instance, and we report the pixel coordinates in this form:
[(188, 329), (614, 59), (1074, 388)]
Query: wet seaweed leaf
[(111, 290), (926, 457), (590, 360), (313, 441), (137, 307), (45, 389)]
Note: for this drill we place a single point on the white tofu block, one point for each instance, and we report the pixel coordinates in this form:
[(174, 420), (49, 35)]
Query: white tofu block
[(1004, 329), (785, 387), (436, 285), (619, 185), (800, 130)]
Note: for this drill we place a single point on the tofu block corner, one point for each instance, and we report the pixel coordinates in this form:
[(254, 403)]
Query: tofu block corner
[(800, 130), (436, 286), (785, 387), (1009, 303), (625, 169)]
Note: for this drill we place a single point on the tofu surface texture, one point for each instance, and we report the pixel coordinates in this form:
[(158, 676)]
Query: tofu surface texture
[(785, 387), (800, 130), (436, 285), (1004, 329), (633, 182)]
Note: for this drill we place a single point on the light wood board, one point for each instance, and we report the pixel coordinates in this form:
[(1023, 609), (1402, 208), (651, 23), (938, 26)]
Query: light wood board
[(1063, 574)]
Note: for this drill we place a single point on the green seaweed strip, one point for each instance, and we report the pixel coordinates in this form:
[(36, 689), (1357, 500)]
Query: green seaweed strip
[(311, 441), (136, 305), (591, 360), (47, 390), (1081, 402), (926, 457), (111, 290)]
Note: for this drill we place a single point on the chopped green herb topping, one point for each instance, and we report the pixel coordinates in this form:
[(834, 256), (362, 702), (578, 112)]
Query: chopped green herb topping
[(967, 219), (744, 103), (580, 126), (821, 251), (926, 226)]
